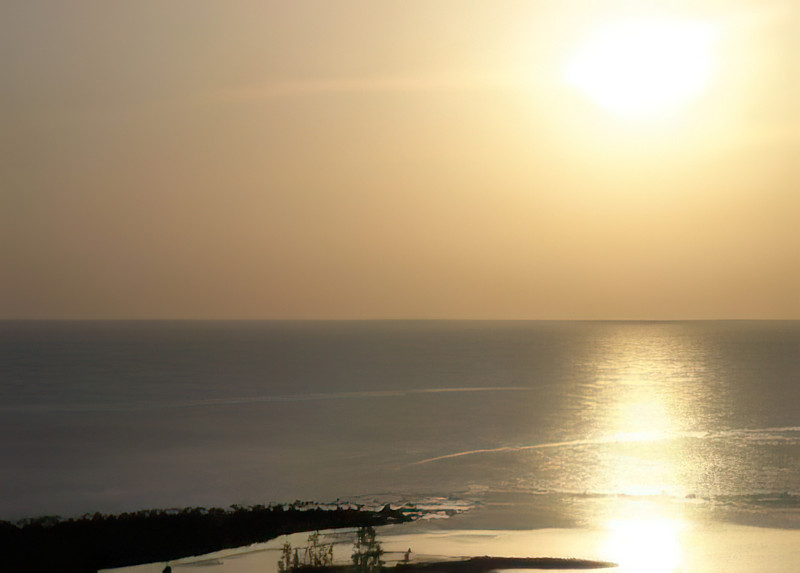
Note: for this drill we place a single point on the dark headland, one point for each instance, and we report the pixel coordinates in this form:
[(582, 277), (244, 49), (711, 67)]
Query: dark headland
[(102, 541)]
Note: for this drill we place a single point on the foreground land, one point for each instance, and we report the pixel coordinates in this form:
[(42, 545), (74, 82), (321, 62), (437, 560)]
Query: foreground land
[(485, 564), (101, 541), (473, 565)]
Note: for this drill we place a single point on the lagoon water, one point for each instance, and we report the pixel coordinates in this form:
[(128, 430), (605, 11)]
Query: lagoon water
[(536, 424)]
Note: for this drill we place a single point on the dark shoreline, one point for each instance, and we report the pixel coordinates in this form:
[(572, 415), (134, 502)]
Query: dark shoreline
[(100, 541)]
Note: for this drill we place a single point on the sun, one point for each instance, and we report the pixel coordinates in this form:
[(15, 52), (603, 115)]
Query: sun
[(644, 67)]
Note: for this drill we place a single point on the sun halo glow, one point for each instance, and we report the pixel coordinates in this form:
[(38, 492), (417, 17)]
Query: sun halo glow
[(640, 68)]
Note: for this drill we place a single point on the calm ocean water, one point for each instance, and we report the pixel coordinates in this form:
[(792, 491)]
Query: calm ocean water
[(563, 419)]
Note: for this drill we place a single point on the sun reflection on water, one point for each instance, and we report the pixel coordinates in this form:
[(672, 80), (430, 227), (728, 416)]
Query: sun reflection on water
[(642, 402), (649, 544), (645, 402)]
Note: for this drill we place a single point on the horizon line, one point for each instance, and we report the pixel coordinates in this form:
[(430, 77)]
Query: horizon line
[(196, 319)]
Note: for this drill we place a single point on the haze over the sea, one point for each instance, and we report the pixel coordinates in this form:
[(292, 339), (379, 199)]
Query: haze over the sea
[(319, 160)]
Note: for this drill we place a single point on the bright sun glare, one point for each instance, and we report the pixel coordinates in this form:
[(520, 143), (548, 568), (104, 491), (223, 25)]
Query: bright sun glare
[(645, 545), (644, 67)]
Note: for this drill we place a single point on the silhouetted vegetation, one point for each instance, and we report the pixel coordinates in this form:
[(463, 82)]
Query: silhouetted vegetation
[(101, 541), (367, 558), (367, 551), (315, 554)]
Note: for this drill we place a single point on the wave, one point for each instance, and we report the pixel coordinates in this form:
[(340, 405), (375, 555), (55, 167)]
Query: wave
[(242, 400), (776, 434), (345, 395)]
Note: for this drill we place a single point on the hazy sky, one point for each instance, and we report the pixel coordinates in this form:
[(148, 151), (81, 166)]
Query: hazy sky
[(410, 159)]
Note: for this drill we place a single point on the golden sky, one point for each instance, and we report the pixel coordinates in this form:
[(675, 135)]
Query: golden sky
[(408, 159)]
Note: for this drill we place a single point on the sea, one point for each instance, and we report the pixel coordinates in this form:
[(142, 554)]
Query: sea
[(512, 425)]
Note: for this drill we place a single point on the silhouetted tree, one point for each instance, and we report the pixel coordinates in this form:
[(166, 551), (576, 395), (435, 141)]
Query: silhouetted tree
[(367, 551), (285, 562), (315, 554)]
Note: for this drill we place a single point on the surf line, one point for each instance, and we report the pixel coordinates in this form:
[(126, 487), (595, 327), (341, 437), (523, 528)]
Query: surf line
[(317, 396), (243, 400), (620, 439), (624, 438), (507, 449)]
